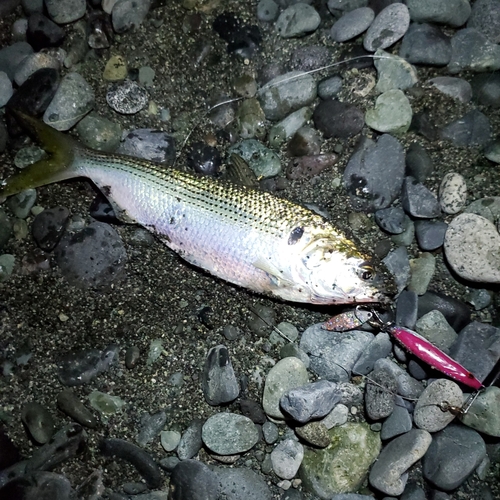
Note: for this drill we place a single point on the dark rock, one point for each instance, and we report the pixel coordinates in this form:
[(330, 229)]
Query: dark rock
[(305, 167), (457, 314), (391, 219), (418, 201), (425, 44), (43, 33), (486, 89), (253, 411), (69, 403), (48, 227), (430, 234), (204, 159), (338, 119), (219, 382), (472, 129), (140, 459), (193, 480), (375, 172), (418, 162), (39, 422)]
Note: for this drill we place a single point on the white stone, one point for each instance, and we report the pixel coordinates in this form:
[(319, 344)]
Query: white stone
[(452, 193), (472, 247)]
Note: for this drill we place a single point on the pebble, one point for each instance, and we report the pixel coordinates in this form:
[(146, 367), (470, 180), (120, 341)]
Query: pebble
[(169, 440), (333, 354), (452, 193), (242, 484), (219, 382), (286, 458), (286, 93), (472, 129), (137, 457), (452, 456), (66, 11), (338, 119), (264, 162), (11, 56), (310, 57), (80, 367), (398, 264), (92, 257), (378, 348), (452, 13), (392, 112), (430, 411), (388, 473), (387, 28), (127, 97), (105, 404), (434, 327), (477, 348), (6, 90), (305, 141), (393, 72), (418, 201), (486, 89), (38, 421), (342, 467), (379, 395), (116, 69), (306, 167), (425, 44), (7, 262), (430, 234), (457, 88), (375, 172), (270, 432), (267, 11), (484, 414), (391, 219), (479, 298), (129, 13), (22, 203), (329, 87), (488, 207), (43, 33), (48, 227), (73, 99), (150, 427), (253, 411), (191, 442), (338, 416), (352, 24), (99, 133), (422, 271), (69, 403), (286, 374), (472, 246), (310, 401), (398, 422), (407, 386), (485, 17), (229, 433), (297, 20), (471, 50), (314, 434), (287, 127)]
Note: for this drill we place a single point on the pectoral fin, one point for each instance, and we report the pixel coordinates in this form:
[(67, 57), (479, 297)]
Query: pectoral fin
[(277, 276)]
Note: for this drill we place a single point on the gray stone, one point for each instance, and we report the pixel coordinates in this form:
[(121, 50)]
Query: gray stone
[(425, 44), (392, 112), (452, 457), (379, 347), (387, 28), (431, 412), (352, 24), (194, 480), (393, 72), (191, 441), (484, 414), (388, 474), (380, 392), (419, 201), (310, 401), (430, 234), (229, 433), (264, 162), (242, 484), (472, 129), (219, 382), (399, 421), (286, 458), (485, 17), (297, 20), (434, 327), (38, 421), (287, 374), (457, 88), (472, 248), (452, 12), (333, 354)]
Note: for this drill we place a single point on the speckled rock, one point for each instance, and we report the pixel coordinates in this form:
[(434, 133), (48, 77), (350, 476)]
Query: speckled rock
[(452, 193)]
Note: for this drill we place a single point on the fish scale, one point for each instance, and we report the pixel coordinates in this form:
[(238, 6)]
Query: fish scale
[(245, 236)]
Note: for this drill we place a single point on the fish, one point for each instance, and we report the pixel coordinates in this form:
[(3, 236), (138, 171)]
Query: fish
[(242, 235)]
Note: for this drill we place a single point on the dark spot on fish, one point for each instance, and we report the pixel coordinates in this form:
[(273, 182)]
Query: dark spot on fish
[(106, 190), (172, 220), (295, 235)]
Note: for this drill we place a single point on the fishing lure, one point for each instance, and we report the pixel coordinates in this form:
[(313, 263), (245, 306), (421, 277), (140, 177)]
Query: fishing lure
[(348, 320), (429, 353)]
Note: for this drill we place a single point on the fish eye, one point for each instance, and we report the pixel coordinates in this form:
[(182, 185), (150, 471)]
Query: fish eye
[(366, 272)]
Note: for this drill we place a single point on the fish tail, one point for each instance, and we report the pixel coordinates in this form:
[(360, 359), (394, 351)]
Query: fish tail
[(59, 165)]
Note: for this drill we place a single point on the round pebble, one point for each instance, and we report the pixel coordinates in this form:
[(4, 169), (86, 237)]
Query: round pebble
[(352, 24), (472, 248), (229, 433), (127, 97), (392, 112), (388, 27), (431, 412), (69, 403), (452, 193), (39, 422), (297, 20), (286, 458)]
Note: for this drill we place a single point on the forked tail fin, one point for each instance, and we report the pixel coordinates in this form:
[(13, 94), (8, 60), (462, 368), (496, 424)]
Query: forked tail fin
[(56, 167)]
